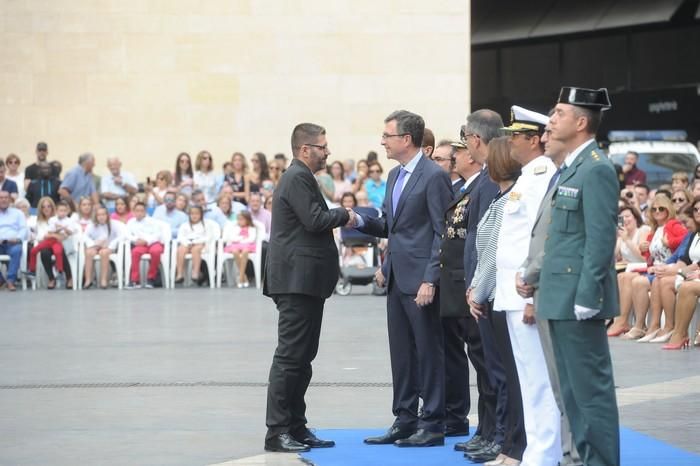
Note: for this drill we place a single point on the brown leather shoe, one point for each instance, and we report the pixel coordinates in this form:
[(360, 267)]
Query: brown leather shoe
[(11, 286)]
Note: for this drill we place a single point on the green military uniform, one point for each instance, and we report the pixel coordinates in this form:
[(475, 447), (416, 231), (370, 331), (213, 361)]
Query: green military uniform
[(578, 271)]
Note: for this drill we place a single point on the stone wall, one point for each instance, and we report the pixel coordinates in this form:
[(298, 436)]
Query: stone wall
[(146, 79)]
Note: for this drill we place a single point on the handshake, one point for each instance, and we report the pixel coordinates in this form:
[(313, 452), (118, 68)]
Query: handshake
[(353, 221)]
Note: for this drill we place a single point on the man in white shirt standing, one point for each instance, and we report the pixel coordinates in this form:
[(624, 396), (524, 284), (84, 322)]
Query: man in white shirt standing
[(145, 236), (540, 412), (117, 183)]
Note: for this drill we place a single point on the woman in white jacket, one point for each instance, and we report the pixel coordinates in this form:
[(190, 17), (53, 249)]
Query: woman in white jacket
[(101, 239), (191, 238)]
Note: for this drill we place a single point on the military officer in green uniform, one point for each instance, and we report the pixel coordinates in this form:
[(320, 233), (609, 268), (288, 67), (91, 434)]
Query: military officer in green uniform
[(578, 286)]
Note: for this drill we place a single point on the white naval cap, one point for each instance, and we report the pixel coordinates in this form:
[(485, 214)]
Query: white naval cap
[(522, 119)]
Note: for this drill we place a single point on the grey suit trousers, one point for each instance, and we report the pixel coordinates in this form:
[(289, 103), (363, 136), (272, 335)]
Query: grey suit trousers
[(568, 447)]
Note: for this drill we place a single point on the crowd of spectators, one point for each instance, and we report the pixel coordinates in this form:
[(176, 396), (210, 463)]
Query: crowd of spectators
[(102, 211), (658, 253)]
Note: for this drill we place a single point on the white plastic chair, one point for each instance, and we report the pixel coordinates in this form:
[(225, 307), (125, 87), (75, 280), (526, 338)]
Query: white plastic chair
[(208, 255), (166, 241), (42, 278), (5, 259), (225, 259), (117, 258)]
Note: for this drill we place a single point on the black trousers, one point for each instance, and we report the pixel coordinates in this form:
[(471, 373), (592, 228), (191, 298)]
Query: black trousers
[(496, 373), (417, 361), (458, 331), (45, 256), (515, 440), (299, 329)]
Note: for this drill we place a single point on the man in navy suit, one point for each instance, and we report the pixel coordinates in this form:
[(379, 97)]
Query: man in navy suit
[(418, 193)]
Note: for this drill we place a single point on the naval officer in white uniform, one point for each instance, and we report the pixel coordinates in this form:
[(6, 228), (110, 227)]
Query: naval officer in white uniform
[(540, 411)]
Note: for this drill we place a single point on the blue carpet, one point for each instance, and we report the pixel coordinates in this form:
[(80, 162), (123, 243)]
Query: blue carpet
[(637, 450)]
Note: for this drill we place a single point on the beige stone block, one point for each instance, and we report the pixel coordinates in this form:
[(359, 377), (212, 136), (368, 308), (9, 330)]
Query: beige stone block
[(18, 22), (213, 53), (150, 53), (24, 52), (109, 89), (420, 7), (208, 7), (59, 89), (70, 123), (275, 8), (214, 88), (16, 88), (84, 52), (132, 23), (156, 90)]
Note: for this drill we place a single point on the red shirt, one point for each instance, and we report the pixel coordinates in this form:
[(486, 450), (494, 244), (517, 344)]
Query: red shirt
[(635, 176)]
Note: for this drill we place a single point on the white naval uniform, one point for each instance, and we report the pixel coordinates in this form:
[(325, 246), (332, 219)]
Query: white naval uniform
[(542, 418)]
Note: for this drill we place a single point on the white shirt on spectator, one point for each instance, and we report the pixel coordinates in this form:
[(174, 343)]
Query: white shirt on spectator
[(66, 223), (189, 234), (265, 217), (147, 230), (103, 234), (19, 179), (207, 183), (107, 185)]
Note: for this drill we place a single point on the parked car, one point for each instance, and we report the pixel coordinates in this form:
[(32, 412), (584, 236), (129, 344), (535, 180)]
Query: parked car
[(661, 153)]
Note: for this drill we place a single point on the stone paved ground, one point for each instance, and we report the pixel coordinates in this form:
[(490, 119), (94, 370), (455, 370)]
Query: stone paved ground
[(177, 377)]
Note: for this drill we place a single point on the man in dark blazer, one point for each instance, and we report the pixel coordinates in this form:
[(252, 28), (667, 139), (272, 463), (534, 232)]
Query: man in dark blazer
[(301, 272), (458, 325), (418, 192), (578, 284), (44, 185), (483, 126)]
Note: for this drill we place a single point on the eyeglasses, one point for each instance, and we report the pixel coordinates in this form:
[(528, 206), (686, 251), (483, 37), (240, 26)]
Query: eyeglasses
[(386, 136), (441, 159), (463, 135), (324, 147), (678, 199), (659, 209)]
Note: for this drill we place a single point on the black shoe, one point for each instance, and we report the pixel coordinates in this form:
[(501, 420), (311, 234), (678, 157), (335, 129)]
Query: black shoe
[(284, 443), (422, 438), (308, 438), (489, 453), (473, 444), (392, 435), (457, 430)]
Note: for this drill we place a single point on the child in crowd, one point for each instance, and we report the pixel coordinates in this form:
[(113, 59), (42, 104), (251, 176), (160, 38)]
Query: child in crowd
[(191, 238), (56, 239), (122, 210), (241, 244), (144, 233), (156, 192), (84, 215), (102, 238)]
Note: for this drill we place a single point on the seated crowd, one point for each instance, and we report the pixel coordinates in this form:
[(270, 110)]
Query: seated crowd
[(48, 218), (658, 254)]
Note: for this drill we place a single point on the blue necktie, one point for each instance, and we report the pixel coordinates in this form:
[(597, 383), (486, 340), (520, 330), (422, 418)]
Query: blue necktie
[(555, 177), (398, 187)]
